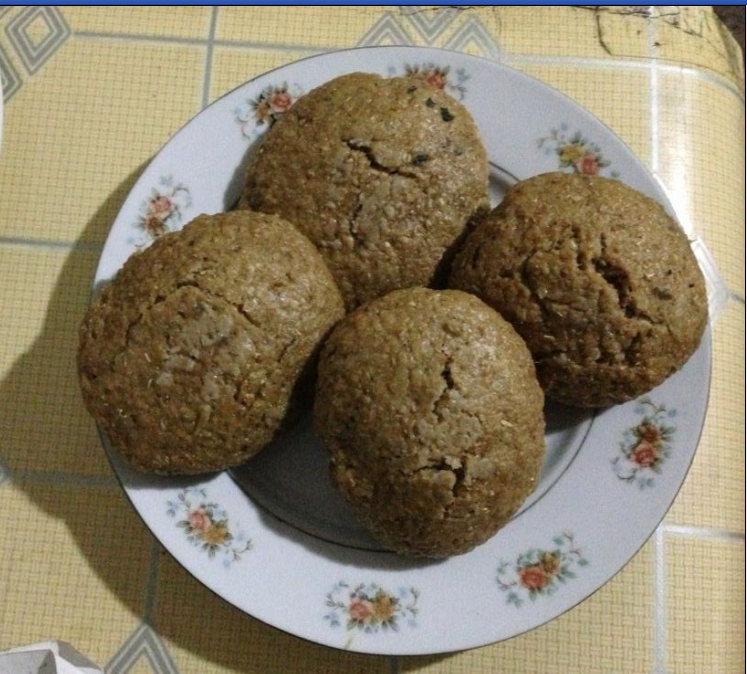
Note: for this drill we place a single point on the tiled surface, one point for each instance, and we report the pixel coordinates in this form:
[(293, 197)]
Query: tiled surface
[(706, 619), (91, 134), (599, 89), (193, 23), (184, 608), (63, 559), (233, 66), (45, 428), (717, 474), (91, 93), (692, 37), (685, 147), (605, 33), (612, 631)]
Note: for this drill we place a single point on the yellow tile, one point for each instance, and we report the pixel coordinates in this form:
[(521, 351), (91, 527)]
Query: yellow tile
[(714, 491), (37, 30), (232, 67), (296, 26), (75, 567), (181, 22), (577, 32), (619, 98), (203, 631), (702, 164), (694, 36), (612, 631), (74, 143), (141, 666), (705, 606), (45, 427), (580, 32)]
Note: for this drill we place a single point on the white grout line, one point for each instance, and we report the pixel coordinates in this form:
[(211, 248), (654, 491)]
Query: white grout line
[(634, 63), (135, 37), (654, 97), (660, 605), (209, 57), (49, 244), (641, 65), (56, 477), (202, 42), (559, 61), (704, 533), (660, 588), (151, 585)]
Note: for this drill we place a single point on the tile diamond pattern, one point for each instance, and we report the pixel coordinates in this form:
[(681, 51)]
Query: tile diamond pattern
[(143, 645), (473, 38), (386, 31), (429, 22), (36, 34), (11, 82)]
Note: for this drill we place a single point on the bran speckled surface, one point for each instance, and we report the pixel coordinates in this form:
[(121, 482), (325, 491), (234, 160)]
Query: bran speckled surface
[(596, 277), (196, 355), (382, 174), (435, 459)]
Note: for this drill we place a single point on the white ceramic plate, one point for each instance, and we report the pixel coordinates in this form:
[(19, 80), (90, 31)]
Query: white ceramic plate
[(274, 539)]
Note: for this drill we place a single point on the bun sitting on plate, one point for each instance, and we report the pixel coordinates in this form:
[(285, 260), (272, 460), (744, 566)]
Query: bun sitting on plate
[(429, 405), (194, 356), (595, 276), (382, 174)]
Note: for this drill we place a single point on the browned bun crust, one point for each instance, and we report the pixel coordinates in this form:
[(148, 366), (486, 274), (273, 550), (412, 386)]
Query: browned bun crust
[(382, 174), (192, 357), (428, 403), (599, 281)]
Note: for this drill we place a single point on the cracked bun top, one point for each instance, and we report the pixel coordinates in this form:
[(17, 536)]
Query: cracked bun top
[(599, 281), (192, 358), (429, 405), (382, 174)]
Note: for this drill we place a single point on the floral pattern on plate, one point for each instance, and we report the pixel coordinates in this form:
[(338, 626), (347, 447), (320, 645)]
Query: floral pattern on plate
[(540, 571), (205, 524), (645, 446), (256, 114), (371, 608), (575, 153), (438, 76), (164, 209)]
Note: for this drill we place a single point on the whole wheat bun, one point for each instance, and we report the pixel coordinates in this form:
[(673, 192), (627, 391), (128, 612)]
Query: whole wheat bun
[(428, 403), (596, 277), (193, 357), (382, 174)]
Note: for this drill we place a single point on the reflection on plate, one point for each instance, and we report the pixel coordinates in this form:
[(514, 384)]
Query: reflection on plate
[(274, 539)]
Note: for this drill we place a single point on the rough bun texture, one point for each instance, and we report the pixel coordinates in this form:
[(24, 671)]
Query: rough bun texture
[(599, 281), (428, 403), (192, 357), (382, 174)]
